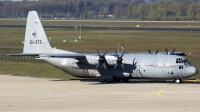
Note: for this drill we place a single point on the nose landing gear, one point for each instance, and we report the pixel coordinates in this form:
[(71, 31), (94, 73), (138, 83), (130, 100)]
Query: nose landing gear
[(178, 81)]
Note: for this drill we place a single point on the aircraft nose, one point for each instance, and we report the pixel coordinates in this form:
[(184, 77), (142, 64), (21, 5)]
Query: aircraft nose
[(191, 70)]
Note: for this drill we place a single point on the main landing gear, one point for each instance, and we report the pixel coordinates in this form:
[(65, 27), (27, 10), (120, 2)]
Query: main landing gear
[(116, 80)]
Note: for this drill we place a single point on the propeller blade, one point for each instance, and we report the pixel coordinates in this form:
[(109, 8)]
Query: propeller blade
[(157, 51), (122, 66), (104, 65), (149, 51), (116, 53), (173, 51), (123, 53), (166, 50), (98, 52), (135, 63), (97, 65), (115, 65), (105, 53)]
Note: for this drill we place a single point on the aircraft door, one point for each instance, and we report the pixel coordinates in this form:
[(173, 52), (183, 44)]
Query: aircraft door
[(182, 70), (85, 72)]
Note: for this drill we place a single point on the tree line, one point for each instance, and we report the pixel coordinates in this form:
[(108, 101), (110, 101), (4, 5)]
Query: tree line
[(125, 9)]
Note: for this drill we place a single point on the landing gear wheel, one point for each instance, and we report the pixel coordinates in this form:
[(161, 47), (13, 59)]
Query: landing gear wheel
[(102, 80), (178, 81), (117, 80), (109, 81), (125, 80)]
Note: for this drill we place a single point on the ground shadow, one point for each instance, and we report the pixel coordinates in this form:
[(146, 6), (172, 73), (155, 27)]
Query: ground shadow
[(96, 82)]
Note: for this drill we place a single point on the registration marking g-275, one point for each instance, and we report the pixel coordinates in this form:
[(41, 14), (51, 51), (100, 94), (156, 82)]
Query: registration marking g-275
[(35, 41)]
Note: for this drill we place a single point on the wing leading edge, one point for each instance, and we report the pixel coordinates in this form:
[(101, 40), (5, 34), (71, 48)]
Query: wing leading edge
[(50, 55), (76, 56)]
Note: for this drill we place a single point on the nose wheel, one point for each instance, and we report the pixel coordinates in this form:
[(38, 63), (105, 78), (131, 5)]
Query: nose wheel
[(102, 80), (178, 81)]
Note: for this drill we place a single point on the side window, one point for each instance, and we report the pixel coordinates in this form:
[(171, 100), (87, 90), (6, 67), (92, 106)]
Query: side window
[(180, 66), (184, 61)]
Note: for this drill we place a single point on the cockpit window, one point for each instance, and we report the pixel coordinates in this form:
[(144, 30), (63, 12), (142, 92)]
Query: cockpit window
[(179, 60), (187, 62)]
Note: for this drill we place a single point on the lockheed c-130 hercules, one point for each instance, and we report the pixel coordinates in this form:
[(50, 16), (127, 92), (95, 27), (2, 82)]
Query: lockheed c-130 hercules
[(107, 67)]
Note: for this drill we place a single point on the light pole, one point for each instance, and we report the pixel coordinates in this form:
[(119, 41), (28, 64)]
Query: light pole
[(80, 28)]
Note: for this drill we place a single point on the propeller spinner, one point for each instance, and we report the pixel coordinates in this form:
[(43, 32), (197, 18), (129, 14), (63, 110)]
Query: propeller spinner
[(101, 59)]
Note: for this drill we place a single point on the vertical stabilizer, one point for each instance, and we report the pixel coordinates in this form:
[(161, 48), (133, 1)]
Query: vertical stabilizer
[(36, 40)]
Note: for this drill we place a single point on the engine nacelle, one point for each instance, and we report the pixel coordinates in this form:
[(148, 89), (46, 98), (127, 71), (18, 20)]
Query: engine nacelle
[(111, 60), (92, 60)]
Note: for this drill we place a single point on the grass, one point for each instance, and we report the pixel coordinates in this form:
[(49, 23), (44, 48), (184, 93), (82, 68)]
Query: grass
[(134, 41), (33, 69), (106, 23)]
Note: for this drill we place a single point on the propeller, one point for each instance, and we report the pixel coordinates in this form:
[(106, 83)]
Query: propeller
[(134, 63), (149, 51), (166, 50), (171, 52), (155, 52), (119, 59), (101, 59)]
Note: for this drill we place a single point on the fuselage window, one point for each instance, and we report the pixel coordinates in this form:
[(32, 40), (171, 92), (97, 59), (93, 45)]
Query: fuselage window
[(180, 66)]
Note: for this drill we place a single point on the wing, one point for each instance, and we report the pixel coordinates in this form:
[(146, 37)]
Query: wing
[(50, 55), (67, 55)]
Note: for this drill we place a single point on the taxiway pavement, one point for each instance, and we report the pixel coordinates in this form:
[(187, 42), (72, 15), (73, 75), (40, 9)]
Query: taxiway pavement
[(28, 94)]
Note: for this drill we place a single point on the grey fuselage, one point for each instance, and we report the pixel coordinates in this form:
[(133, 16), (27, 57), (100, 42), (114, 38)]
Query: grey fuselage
[(136, 66)]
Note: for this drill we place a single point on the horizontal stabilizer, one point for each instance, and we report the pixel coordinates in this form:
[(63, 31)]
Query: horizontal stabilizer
[(23, 54)]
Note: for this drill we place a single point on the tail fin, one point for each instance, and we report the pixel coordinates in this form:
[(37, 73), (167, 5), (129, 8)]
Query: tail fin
[(35, 38)]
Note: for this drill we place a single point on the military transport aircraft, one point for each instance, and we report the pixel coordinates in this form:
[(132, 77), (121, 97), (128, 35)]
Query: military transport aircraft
[(107, 67)]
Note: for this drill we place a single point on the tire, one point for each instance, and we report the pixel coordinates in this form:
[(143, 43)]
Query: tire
[(125, 80), (178, 81), (110, 81), (102, 80), (117, 80)]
